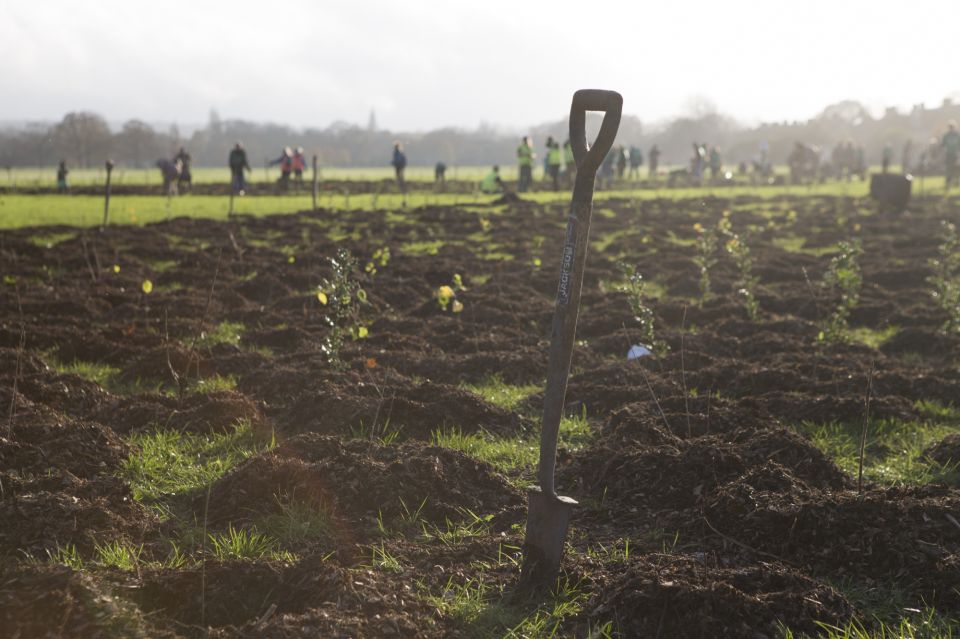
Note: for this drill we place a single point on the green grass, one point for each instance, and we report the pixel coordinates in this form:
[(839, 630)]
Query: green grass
[(892, 455), (496, 391), (240, 543), (795, 244), (106, 376), (874, 338), (222, 333), (921, 624), (214, 384), (480, 609), (169, 463), (516, 454)]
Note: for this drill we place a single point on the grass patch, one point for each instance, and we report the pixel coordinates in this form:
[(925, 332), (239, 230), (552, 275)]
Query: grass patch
[(427, 247), (168, 463), (240, 543), (874, 338), (496, 391), (222, 333), (480, 609), (296, 523), (517, 454), (796, 244), (106, 376), (50, 240), (892, 455), (214, 384)]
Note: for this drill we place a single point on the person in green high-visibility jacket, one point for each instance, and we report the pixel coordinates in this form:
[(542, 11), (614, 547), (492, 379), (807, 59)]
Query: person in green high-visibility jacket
[(492, 183), (569, 164), (525, 157), (554, 160), (951, 152)]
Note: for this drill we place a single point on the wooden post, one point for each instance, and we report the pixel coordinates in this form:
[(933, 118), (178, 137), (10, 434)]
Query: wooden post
[(314, 181), (106, 196)]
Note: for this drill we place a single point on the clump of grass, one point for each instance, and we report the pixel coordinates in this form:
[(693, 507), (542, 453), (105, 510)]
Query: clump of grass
[(480, 609), (246, 544), (843, 279), (107, 377), (118, 554), (223, 333), (169, 462), (66, 555), (214, 384), (893, 449), (297, 523), (497, 392)]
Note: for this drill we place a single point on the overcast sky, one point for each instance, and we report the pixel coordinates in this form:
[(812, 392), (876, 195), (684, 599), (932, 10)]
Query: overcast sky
[(422, 64)]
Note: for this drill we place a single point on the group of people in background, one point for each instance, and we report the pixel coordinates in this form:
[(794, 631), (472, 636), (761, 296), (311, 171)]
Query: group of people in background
[(806, 162)]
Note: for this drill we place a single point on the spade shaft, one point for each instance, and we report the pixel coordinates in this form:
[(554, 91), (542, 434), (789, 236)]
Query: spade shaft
[(549, 514)]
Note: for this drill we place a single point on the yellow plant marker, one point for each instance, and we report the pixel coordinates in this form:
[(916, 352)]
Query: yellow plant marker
[(322, 297), (116, 268), (147, 286)]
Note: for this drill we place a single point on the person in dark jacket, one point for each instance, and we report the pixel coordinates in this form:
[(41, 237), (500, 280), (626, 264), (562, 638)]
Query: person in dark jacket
[(62, 172), (185, 181), (399, 163), (238, 164)]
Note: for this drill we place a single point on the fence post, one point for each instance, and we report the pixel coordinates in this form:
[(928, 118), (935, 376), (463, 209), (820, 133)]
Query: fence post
[(314, 182), (106, 196)]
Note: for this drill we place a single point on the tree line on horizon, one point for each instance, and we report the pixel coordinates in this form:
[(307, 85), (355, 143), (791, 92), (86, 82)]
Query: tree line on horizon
[(85, 139)]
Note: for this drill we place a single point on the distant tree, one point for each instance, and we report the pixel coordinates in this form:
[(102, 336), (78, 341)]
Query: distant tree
[(82, 138), (137, 142), (372, 122)]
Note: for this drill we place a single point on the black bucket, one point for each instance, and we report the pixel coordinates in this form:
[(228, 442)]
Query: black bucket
[(891, 190)]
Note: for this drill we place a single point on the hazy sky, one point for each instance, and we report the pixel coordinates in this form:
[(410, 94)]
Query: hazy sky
[(421, 64)]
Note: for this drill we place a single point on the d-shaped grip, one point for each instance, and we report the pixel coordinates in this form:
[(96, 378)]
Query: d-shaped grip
[(588, 159)]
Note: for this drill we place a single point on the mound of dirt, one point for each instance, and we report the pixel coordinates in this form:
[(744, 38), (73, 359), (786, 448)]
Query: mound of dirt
[(945, 452), (414, 411), (671, 596), (42, 514), (84, 449), (682, 417), (38, 600), (905, 535), (360, 480), (215, 412), (677, 475)]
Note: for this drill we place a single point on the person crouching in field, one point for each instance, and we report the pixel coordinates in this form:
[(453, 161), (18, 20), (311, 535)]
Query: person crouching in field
[(170, 172), (492, 182), (238, 164), (62, 172)]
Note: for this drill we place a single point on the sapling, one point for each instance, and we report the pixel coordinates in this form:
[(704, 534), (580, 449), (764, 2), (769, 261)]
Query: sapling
[(842, 278), (737, 248), (634, 288), (343, 294), (946, 276), (705, 258)]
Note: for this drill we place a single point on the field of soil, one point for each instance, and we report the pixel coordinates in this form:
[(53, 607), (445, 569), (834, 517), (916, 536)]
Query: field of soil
[(705, 509)]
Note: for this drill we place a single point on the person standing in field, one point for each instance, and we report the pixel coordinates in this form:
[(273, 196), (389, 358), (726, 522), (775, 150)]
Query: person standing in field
[(62, 172), (238, 164), (569, 163), (886, 158), (951, 151), (554, 159), (636, 161), (440, 175), (286, 167), (185, 181), (399, 163), (299, 163), (170, 172), (907, 156), (654, 156), (525, 157), (621, 161), (716, 163)]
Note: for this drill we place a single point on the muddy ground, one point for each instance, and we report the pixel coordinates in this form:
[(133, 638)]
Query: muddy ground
[(737, 524)]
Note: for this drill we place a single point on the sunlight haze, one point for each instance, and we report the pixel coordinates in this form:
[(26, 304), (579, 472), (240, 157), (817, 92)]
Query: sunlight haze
[(426, 64)]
